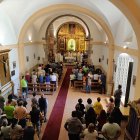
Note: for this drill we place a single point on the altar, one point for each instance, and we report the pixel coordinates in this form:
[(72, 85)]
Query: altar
[(70, 59)]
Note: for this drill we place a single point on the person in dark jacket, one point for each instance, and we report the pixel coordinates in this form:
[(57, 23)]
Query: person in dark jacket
[(28, 133), (90, 116), (117, 115), (117, 95), (43, 105)]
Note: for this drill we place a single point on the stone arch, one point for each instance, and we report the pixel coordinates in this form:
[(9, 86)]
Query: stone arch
[(71, 16), (59, 7)]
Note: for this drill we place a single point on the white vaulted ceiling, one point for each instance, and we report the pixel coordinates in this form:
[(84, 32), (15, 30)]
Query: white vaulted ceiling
[(19, 11)]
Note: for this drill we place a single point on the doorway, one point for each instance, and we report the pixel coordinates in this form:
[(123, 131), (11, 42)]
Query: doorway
[(121, 75)]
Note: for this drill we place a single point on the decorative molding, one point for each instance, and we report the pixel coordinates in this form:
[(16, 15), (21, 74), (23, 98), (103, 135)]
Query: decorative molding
[(5, 47), (34, 43), (128, 50), (4, 51)]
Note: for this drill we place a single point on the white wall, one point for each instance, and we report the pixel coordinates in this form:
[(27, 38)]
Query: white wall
[(102, 53), (31, 34), (124, 32), (13, 57), (7, 33), (29, 52), (97, 53), (104, 56)]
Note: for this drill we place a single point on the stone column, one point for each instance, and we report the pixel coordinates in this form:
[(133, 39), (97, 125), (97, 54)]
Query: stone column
[(110, 70)]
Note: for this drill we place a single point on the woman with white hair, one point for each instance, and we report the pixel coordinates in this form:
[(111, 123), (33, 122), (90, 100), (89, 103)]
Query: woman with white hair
[(90, 133)]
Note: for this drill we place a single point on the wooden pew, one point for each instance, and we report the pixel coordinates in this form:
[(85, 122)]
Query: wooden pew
[(41, 87), (78, 83), (94, 85)]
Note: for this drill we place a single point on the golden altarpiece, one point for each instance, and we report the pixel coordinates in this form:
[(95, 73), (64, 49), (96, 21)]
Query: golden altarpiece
[(71, 37)]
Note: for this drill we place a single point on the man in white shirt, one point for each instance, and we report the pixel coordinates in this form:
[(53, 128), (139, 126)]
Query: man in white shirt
[(111, 130), (53, 80)]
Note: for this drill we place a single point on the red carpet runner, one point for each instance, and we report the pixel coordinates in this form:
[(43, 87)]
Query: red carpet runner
[(54, 123)]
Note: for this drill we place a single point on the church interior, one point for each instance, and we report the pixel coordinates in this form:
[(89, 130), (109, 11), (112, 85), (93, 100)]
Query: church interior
[(69, 34)]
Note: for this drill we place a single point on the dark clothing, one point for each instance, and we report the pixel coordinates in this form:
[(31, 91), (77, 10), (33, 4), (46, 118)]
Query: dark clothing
[(28, 133), (103, 83), (74, 136), (23, 100), (35, 119), (79, 115), (117, 115), (74, 128), (35, 116), (42, 103), (22, 122), (43, 106), (117, 96), (101, 121), (90, 116), (81, 108)]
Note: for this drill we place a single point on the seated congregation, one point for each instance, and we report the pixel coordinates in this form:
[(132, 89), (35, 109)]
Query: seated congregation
[(91, 121)]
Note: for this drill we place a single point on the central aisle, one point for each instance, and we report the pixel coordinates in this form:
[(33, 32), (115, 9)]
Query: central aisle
[(54, 123)]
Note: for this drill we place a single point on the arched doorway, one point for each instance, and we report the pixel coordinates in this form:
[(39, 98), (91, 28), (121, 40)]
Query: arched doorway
[(122, 70)]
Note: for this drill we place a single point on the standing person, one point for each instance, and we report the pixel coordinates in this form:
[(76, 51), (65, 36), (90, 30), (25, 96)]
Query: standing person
[(28, 132), (47, 81), (117, 115), (81, 106), (16, 131), (89, 104), (117, 95), (24, 86), (103, 83), (74, 127), (53, 80), (5, 130), (34, 100), (28, 77), (8, 110), (72, 79), (43, 106), (90, 116), (110, 106), (98, 106), (111, 130), (102, 119), (88, 84), (90, 133), (35, 118), (20, 114)]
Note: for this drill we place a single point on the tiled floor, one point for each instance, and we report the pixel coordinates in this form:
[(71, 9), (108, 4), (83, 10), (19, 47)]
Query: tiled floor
[(72, 97)]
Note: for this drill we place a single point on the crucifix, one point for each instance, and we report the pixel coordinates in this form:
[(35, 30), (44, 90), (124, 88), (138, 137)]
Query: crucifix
[(5, 65)]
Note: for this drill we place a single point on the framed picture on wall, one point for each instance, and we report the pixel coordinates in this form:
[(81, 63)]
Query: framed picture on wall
[(14, 64), (34, 56), (27, 58), (38, 58)]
